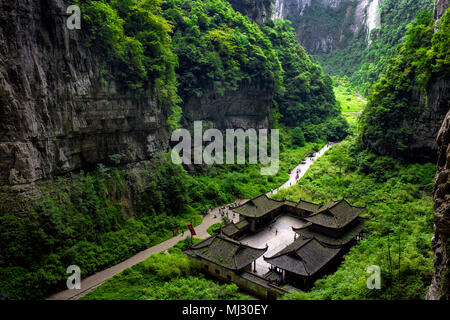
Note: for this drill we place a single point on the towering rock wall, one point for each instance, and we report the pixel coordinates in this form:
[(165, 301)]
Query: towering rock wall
[(439, 8), (248, 107), (325, 25), (61, 112), (440, 286), (435, 104), (426, 107), (58, 112)]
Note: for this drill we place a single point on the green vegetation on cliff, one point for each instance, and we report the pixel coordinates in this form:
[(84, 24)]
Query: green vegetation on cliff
[(363, 62), (93, 220), (135, 42), (98, 219), (394, 102), (306, 98), (219, 48), (184, 48)]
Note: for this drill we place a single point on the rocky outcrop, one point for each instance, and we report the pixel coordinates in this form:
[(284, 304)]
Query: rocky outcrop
[(427, 107), (59, 112), (435, 104), (248, 107), (439, 8), (325, 25), (440, 286), (256, 10)]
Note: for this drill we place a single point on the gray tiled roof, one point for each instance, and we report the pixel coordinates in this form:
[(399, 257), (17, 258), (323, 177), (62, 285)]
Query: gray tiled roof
[(258, 207), (335, 214), (304, 257), (356, 228), (242, 224), (225, 252), (232, 228), (304, 205)]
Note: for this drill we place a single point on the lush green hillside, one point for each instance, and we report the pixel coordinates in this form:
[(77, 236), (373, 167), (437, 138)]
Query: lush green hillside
[(395, 103), (135, 42), (399, 204), (351, 103), (188, 47), (307, 98), (219, 47)]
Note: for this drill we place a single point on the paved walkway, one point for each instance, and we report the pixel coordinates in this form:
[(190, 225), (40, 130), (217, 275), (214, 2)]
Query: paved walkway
[(275, 236), (90, 283), (301, 169)]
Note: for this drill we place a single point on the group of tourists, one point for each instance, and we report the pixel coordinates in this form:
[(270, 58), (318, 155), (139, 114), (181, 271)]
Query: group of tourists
[(225, 211), (206, 211), (298, 174)]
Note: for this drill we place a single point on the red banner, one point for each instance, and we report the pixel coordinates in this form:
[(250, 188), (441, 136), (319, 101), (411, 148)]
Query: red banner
[(191, 229)]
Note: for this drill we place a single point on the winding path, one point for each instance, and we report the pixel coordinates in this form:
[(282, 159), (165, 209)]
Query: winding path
[(90, 283), (302, 168)]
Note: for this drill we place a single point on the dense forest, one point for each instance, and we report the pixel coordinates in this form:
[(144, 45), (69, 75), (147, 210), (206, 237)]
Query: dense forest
[(171, 56)]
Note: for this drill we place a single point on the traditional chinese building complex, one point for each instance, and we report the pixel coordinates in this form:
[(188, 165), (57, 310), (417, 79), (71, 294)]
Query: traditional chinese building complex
[(321, 235)]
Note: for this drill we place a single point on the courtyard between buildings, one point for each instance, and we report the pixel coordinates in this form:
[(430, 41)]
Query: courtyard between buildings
[(277, 235)]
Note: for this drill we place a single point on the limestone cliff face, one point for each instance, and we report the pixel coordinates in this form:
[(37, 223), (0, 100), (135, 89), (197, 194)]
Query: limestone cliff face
[(439, 7), (58, 113), (440, 286), (435, 103), (325, 25), (256, 10), (248, 107)]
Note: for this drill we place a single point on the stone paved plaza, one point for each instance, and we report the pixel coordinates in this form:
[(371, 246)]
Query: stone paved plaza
[(275, 240)]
